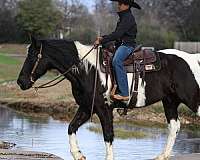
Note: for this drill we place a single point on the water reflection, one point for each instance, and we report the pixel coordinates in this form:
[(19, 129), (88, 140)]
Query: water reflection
[(48, 135)]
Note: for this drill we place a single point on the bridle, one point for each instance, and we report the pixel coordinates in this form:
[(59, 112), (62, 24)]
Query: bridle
[(39, 57)]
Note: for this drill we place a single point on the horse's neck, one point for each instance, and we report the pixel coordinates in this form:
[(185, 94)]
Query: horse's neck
[(84, 73)]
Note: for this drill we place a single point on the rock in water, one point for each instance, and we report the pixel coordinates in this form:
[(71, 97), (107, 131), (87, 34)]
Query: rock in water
[(6, 145)]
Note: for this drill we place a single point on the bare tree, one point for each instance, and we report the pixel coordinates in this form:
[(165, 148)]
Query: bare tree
[(104, 18)]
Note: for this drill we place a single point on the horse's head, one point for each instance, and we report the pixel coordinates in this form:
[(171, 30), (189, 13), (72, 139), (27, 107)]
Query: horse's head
[(36, 64), (44, 55)]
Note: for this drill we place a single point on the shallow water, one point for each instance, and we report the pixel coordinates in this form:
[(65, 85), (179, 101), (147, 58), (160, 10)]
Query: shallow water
[(48, 135)]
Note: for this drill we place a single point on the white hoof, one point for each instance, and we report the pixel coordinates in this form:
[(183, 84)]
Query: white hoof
[(162, 157), (82, 158), (78, 156)]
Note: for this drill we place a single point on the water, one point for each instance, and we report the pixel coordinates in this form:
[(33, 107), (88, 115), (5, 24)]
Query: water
[(48, 135)]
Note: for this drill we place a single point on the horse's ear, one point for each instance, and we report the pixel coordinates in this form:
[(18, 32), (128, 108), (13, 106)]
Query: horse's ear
[(34, 41)]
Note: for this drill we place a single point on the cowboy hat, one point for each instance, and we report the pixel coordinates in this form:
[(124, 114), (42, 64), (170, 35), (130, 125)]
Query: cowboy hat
[(129, 2)]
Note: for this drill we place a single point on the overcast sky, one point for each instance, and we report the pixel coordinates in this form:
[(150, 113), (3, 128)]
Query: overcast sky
[(88, 3)]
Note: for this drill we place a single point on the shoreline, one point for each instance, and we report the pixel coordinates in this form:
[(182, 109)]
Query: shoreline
[(64, 111)]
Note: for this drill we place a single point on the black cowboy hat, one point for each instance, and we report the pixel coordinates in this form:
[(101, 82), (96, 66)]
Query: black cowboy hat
[(129, 2)]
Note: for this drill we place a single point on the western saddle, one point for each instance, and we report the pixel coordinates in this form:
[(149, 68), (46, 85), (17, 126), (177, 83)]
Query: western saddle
[(142, 60)]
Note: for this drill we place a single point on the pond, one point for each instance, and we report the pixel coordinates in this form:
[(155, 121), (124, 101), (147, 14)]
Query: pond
[(48, 135)]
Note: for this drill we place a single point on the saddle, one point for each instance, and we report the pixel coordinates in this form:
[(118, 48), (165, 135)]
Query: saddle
[(140, 61), (144, 56)]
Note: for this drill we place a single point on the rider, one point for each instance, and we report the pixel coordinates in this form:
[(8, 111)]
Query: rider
[(125, 31)]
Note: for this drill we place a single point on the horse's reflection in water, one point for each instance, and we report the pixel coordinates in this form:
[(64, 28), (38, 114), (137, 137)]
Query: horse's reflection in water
[(177, 82)]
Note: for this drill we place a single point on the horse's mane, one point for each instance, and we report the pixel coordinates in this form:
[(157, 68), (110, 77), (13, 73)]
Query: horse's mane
[(62, 45), (90, 60)]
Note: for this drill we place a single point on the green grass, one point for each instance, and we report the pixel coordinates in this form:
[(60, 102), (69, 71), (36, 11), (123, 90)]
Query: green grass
[(9, 68), (146, 124), (121, 133), (4, 59), (158, 108)]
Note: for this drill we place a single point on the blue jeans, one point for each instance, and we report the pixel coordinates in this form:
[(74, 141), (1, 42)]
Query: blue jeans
[(121, 54)]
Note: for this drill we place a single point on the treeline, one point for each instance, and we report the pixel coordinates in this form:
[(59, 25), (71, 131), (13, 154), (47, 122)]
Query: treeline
[(160, 23)]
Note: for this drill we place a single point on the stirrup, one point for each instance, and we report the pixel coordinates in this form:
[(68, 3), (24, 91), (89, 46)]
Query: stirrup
[(120, 98)]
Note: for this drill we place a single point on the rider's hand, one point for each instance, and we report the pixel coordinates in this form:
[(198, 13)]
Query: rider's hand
[(98, 41)]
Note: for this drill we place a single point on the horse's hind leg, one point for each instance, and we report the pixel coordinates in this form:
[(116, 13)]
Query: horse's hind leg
[(106, 118), (80, 118), (170, 106)]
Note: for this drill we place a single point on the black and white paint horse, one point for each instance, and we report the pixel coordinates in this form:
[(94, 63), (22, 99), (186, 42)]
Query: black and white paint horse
[(177, 82)]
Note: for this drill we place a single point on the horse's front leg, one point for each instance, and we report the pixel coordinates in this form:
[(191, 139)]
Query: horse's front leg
[(80, 118), (106, 119)]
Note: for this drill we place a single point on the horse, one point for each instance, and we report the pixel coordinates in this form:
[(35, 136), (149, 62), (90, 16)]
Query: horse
[(176, 82)]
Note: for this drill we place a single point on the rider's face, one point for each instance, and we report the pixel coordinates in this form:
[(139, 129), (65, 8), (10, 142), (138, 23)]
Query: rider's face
[(122, 6)]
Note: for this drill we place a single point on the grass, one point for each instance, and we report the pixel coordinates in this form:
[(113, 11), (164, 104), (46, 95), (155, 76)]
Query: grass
[(158, 108), (9, 68), (195, 128), (13, 48), (121, 133), (4, 59), (184, 110), (146, 124)]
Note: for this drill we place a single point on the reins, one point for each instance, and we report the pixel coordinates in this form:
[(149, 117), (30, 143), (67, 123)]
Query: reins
[(49, 83), (95, 84)]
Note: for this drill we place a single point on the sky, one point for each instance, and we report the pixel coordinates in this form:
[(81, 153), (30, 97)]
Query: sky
[(88, 3)]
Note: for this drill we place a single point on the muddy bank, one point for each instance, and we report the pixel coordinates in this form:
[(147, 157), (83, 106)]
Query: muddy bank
[(61, 111)]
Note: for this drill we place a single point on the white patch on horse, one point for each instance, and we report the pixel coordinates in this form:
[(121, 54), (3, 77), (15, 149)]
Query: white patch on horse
[(75, 70), (91, 59), (27, 48), (191, 59), (75, 151), (198, 112), (109, 151), (174, 128), (141, 98)]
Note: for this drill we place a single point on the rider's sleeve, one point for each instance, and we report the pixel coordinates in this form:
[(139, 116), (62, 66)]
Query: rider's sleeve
[(123, 26)]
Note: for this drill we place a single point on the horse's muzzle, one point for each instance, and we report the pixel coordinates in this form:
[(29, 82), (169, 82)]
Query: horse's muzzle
[(24, 85)]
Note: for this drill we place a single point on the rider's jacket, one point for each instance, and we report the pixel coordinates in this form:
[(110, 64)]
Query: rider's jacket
[(125, 31)]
